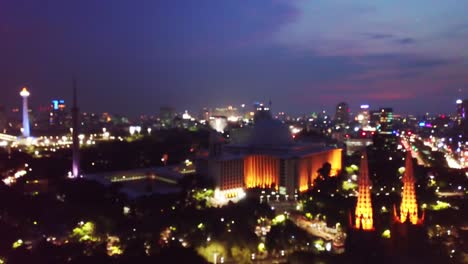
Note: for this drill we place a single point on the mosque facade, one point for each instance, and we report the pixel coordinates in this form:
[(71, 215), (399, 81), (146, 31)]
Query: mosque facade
[(266, 156)]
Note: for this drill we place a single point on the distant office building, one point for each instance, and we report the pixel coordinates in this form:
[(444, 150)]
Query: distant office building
[(167, 115), (3, 120), (58, 104), (57, 114), (357, 144), (205, 114), (105, 118), (462, 110), (363, 117), (386, 120), (261, 111), (90, 120), (342, 113), (231, 113), (243, 111), (374, 118), (282, 116), (226, 111)]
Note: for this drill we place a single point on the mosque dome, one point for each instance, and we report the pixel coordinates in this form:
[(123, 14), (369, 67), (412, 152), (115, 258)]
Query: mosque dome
[(269, 132)]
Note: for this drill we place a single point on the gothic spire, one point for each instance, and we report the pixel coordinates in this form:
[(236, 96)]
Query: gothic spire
[(409, 205), (363, 215)]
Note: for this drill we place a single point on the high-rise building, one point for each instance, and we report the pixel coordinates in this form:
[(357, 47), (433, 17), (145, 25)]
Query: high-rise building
[(462, 110), (363, 117), (205, 114), (231, 113), (342, 113), (58, 104), (409, 205), (261, 111), (374, 116), (167, 115), (3, 120), (386, 120), (243, 111), (228, 111), (57, 115), (363, 215), (26, 130)]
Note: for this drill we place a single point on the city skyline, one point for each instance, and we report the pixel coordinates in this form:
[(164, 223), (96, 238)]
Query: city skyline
[(329, 110), (132, 59), (226, 131)]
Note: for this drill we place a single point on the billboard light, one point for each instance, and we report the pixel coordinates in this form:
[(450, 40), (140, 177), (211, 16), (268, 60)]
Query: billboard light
[(365, 106), (55, 104)]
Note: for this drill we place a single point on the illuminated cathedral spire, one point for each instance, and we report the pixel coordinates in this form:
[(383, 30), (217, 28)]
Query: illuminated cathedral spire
[(363, 215), (409, 206)]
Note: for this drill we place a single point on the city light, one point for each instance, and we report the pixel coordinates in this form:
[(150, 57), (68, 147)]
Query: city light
[(24, 92), (279, 219), (386, 234), (18, 243), (328, 246), (10, 180), (186, 115), (364, 106)]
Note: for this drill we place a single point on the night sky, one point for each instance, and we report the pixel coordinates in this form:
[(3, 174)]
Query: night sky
[(131, 57)]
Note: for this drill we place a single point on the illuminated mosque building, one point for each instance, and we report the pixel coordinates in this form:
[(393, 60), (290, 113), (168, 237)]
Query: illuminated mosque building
[(265, 156)]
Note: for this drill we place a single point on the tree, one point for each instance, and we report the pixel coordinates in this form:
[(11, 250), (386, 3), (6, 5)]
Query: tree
[(324, 171), (241, 254), (179, 255), (211, 250)]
